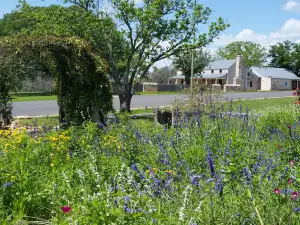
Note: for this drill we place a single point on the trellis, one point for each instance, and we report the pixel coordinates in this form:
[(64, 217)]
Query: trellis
[(83, 87)]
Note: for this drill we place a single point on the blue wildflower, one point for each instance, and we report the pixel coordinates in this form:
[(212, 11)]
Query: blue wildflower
[(195, 180), (8, 184)]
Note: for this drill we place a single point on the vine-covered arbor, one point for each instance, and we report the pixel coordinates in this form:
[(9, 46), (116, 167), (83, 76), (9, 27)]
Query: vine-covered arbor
[(83, 86)]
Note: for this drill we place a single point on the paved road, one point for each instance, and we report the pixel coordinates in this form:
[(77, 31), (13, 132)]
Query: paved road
[(37, 108)]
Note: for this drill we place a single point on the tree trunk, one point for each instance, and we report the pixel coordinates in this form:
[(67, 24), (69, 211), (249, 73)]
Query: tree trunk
[(125, 101)]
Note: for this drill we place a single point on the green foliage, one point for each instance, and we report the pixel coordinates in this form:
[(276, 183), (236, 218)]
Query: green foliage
[(183, 60), (161, 75), (82, 85), (5, 101), (286, 55), (206, 171), (152, 31), (254, 54)]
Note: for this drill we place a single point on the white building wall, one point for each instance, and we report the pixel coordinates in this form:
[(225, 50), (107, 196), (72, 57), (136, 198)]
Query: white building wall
[(231, 74), (215, 71), (266, 83)]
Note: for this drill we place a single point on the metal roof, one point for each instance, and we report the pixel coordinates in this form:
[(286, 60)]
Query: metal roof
[(203, 76), (271, 72), (220, 64), (177, 77)]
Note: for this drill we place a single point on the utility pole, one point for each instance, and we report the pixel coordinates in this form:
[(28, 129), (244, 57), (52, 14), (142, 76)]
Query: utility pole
[(192, 64)]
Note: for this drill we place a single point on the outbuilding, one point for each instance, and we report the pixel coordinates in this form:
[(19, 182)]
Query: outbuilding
[(270, 78)]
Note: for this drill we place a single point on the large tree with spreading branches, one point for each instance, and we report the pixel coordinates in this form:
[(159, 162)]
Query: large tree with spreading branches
[(149, 31)]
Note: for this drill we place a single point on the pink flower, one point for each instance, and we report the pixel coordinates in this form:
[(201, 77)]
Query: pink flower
[(66, 209), (276, 191), (292, 162), (290, 181), (294, 195), (278, 146), (289, 126), (294, 93)]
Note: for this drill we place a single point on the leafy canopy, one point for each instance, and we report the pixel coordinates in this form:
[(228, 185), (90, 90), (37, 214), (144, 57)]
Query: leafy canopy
[(254, 54), (286, 55), (182, 61), (152, 30)]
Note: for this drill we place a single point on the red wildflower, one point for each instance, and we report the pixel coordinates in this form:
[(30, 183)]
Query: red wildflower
[(294, 195), (276, 191), (289, 126), (278, 146), (292, 162), (294, 93), (66, 209), (290, 181)]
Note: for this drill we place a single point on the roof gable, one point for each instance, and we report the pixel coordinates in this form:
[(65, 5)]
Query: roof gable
[(220, 64), (272, 72)]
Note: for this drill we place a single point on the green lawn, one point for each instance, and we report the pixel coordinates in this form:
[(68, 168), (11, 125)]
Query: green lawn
[(32, 96), (39, 121), (158, 93), (263, 104)]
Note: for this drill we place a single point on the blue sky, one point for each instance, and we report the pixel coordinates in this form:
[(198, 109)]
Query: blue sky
[(262, 21)]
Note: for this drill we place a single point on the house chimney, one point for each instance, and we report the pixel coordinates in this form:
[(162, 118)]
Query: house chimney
[(238, 70)]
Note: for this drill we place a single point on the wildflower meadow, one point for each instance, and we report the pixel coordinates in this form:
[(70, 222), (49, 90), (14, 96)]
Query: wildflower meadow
[(238, 168)]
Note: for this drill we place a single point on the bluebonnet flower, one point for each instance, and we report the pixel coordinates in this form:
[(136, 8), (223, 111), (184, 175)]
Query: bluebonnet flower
[(127, 209), (211, 165), (154, 220), (284, 172), (195, 180), (126, 199), (135, 168), (219, 185), (7, 184), (248, 177), (267, 170), (296, 209)]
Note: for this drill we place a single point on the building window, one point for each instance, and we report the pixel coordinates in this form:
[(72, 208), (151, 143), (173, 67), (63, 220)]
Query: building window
[(212, 71), (248, 74), (220, 71), (285, 83), (251, 83)]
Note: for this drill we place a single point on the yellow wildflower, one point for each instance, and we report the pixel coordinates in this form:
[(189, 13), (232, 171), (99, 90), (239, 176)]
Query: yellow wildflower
[(170, 172), (155, 170), (51, 164)]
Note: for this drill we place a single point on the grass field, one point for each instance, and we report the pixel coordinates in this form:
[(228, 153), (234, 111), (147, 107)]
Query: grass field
[(32, 96)]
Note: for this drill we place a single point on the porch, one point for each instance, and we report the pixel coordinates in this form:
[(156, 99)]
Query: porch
[(198, 81)]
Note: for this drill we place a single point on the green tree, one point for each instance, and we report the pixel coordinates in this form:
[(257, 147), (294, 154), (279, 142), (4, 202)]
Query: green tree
[(254, 54), (161, 75), (286, 55), (151, 31), (182, 61), (83, 86)]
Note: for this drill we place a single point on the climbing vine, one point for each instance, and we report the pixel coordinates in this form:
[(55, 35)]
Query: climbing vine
[(83, 87)]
